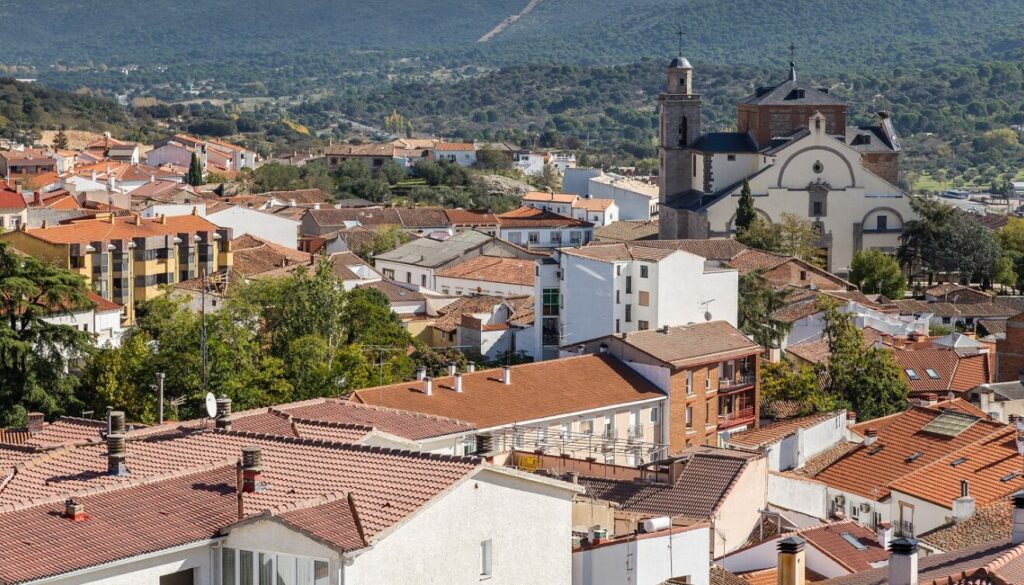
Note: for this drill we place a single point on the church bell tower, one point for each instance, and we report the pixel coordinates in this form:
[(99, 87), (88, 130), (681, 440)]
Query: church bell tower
[(680, 125)]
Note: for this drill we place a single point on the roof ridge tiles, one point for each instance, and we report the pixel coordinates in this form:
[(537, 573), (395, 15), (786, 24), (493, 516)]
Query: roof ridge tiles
[(318, 442), (413, 413), (81, 421), (332, 424), (119, 485)]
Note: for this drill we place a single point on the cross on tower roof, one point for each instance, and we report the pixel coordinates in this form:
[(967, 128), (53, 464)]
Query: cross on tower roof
[(792, 62), (680, 33)]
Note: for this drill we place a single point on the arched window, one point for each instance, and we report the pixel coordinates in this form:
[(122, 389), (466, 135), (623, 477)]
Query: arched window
[(683, 131)]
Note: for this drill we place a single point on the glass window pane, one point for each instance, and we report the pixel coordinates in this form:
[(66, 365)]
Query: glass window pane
[(227, 566), (245, 573), (285, 570), (320, 574), (266, 569)]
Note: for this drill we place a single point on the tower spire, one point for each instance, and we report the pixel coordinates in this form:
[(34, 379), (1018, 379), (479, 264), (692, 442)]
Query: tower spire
[(680, 34), (792, 62)]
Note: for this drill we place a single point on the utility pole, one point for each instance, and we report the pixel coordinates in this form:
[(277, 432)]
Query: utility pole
[(160, 394), (202, 337)]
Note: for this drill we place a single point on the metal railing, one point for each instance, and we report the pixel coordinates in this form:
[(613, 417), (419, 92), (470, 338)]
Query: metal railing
[(740, 414), (576, 445), (744, 379)]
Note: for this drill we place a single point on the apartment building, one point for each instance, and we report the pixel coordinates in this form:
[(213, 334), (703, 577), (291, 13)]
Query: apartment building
[(127, 259), (617, 288)]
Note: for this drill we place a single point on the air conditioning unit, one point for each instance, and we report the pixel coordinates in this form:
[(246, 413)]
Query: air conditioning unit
[(865, 507), (839, 501)]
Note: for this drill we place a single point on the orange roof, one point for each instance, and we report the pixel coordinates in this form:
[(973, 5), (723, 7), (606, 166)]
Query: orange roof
[(594, 204), (455, 146), (537, 390), (11, 199), (528, 217), (102, 304), (941, 370), (491, 269), (901, 448), (540, 196), (92, 230), (770, 433), (62, 201)]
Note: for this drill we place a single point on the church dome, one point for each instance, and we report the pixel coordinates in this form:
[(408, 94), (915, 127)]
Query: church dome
[(680, 62)]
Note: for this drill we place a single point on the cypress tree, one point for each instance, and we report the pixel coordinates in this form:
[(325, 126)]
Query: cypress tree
[(745, 214), (195, 172)]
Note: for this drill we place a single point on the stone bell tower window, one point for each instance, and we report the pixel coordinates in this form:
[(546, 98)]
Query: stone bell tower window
[(683, 127)]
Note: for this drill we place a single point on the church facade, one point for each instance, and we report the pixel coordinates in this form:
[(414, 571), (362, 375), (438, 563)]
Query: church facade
[(794, 147)]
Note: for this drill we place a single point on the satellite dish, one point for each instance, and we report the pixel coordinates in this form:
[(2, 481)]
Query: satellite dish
[(211, 405), (707, 315)]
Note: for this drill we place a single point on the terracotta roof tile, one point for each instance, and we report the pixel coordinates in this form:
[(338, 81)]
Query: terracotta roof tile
[(493, 269), (443, 146), (254, 256), (988, 523), (463, 218), (692, 344), (935, 569), (528, 217), (720, 249), (619, 252), (411, 425), (394, 292), (11, 200), (829, 540), (771, 433), (334, 522), (593, 204), (626, 231), (542, 197), (583, 383), (814, 465), (91, 230)]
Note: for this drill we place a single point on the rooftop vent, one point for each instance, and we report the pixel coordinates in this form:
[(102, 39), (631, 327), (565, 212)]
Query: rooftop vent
[(458, 383), (428, 385), (452, 368), (421, 373), (506, 375), (117, 452), (74, 510), (252, 469), (224, 413), (34, 423)]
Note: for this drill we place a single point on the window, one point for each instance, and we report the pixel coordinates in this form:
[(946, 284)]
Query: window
[(575, 237), (549, 302), (515, 237), (227, 566), (618, 270), (556, 238), (643, 325), (408, 277), (629, 313), (533, 237), (644, 270), (645, 298), (549, 331), (266, 569), (618, 299), (803, 275), (271, 569), (689, 382), (730, 157), (486, 560), (617, 328), (423, 280), (882, 223), (629, 285), (654, 415), (817, 208), (689, 417), (389, 273), (587, 427)]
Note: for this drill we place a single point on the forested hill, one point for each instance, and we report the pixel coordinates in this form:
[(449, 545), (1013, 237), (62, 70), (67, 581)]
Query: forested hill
[(29, 107), (833, 34)]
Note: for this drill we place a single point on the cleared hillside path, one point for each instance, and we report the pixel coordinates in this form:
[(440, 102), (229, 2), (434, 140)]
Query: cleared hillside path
[(508, 22)]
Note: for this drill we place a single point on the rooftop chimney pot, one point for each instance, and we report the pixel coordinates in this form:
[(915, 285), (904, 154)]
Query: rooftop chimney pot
[(903, 562), (471, 367), (117, 452), (452, 368), (34, 423), (428, 386), (74, 510), (506, 375), (458, 383), (252, 469), (870, 436), (884, 532), (792, 561), (421, 373), (964, 506)]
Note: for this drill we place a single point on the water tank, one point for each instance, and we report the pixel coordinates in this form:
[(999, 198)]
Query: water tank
[(656, 524)]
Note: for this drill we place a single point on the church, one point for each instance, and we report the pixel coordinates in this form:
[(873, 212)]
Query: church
[(794, 147)]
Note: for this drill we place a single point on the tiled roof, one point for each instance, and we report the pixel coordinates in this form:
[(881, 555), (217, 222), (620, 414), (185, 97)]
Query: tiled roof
[(442, 146), (593, 204), (720, 576), (395, 293), (771, 576), (829, 540), (780, 409), (619, 252), (902, 447), (583, 383), (692, 344), (936, 569), (294, 469), (121, 523), (814, 352), (401, 423), (11, 200), (953, 310), (529, 217), (254, 256), (11, 455), (771, 433), (494, 269), (428, 252), (702, 486), (627, 231), (991, 522), (268, 422), (463, 217), (814, 465), (300, 196), (450, 316), (542, 197), (91, 230), (332, 520), (102, 304), (953, 371)]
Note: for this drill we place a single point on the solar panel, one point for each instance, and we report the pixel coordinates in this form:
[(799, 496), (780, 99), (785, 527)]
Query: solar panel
[(950, 424), (853, 541)]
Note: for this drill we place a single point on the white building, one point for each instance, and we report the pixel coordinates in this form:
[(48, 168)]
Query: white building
[(267, 226), (680, 552), (460, 153), (102, 321), (488, 275), (599, 212), (636, 200), (156, 209), (599, 290), (537, 228)]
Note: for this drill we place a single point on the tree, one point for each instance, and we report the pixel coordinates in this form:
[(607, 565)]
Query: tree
[(277, 177), (761, 235), (866, 378), (797, 237), (758, 301), (875, 272), (385, 239), (195, 171), (122, 377), (797, 383), (745, 213), (36, 356), (392, 173), (946, 239), (492, 159), (60, 140), (1004, 272)]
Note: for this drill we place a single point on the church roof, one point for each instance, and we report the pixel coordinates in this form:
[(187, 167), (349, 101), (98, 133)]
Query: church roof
[(680, 62), (726, 142), (792, 92), (695, 200), (868, 139)]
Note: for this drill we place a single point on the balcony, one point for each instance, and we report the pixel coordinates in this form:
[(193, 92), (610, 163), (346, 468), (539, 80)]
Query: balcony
[(740, 382), (736, 418)]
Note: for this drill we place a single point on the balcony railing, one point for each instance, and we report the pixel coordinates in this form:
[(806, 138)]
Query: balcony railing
[(736, 417), (740, 381), (635, 432)]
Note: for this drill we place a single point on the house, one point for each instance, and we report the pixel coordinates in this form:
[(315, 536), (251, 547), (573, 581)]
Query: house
[(304, 510), (626, 231), (955, 293), (101, 319), (487, 275), (807, 317), (127, 260), (19, 165), (708, 370), (417, 262), (125, 152), (831, 550), (1002, 401), (700, 484), (490, 326), (267, 226), (352, 270), (675, 554), (637, 200), (374, 155), (460, 153), (576, 179), (536, 228), (13, 210), (790, 443), (602, 409), (599, 212), (962, 315), (598, 290)]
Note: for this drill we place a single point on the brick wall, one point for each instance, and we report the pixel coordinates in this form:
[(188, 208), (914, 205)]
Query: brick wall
[(1010, 351), (883, 164), (766, 122)]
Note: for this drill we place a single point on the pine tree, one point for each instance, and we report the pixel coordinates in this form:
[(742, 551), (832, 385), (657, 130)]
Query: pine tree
[(745, 214), (195, 172), (60, 141)]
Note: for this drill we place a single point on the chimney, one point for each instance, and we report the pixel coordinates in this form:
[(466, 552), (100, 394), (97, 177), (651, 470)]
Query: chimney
[(458, 383), (506, 375), (74, 511), (46, 224), (903, 562), (316, 206), (34, 423), (884, 532), (931, 398), (870, 436), (291, 203), (163, 218), (963, 507), (223, 413), (663, 328), (792, 563), (470, 367), (1018, 519), (573, 477), (428, 386), (452, 368), (421, 372), (851, 418), (252, 469), (116, 451), (37, 199)]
